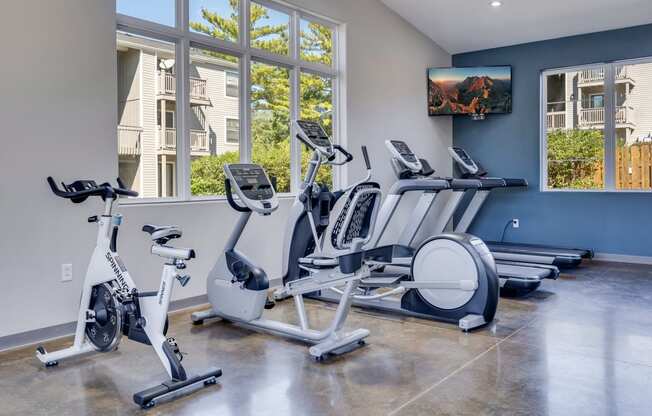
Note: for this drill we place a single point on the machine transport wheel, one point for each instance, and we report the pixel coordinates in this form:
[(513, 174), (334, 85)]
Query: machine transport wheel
[(210, 381)]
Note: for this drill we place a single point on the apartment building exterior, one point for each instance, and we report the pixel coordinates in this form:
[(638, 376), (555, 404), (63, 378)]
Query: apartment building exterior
[(146, 125), (575, 100)]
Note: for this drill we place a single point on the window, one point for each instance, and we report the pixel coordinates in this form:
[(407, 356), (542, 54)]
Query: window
[(232, 130), (158, 11), (595, 131), (146, 89), (270, 121), (232, 84), (180, 122), (270, 29), (210, 147), (215, 18), (317, 105), (169, 118), (316, 42)]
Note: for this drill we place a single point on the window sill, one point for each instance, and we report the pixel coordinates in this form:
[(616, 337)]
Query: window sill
[(136, 202), (597, 191)]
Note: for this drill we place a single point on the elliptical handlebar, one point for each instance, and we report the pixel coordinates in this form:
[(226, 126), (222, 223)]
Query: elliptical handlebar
[(80, 190), (348, 156), (365, 154)]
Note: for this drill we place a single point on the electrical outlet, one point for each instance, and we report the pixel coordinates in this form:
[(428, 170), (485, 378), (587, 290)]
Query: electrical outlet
[(66, 272), (516, 223)]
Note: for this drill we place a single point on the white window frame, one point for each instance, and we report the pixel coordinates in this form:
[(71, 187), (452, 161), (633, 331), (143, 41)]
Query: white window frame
[(184, 39), (226, 129), (609, 126), (226, 84)]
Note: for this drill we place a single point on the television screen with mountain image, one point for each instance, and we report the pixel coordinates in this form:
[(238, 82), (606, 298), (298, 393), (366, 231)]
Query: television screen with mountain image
[(478, 90)]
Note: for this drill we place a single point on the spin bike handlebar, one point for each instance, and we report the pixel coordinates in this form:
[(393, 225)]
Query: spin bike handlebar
[(80, 190)]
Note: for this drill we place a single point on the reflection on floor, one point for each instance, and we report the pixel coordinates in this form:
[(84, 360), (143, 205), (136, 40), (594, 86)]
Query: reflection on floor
[(580, 346)]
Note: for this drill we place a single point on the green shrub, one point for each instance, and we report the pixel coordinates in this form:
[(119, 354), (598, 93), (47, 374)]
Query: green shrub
[(574, 159)]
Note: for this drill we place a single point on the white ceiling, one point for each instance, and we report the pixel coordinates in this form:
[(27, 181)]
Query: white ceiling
[(471, 25)]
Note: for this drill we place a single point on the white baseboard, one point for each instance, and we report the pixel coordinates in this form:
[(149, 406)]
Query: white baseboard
[(622, 258)]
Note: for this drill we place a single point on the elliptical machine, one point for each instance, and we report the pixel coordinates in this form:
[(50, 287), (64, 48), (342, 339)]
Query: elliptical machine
[(452, 277), (237, 288), (112, 306)]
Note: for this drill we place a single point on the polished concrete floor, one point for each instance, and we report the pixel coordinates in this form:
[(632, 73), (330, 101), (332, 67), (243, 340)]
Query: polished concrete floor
[(581, 345)]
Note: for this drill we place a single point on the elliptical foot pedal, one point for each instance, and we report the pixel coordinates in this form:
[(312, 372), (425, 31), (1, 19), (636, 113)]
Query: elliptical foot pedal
[(171, 389)]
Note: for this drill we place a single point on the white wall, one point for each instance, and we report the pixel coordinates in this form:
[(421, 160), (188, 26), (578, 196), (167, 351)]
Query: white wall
[(72, 64)]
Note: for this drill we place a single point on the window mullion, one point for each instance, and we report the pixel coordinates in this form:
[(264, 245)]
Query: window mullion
[(246, 141), (295, 114), (183, 118), (295, 103), (609, 127)]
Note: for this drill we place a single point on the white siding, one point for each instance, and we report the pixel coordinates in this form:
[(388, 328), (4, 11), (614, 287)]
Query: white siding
[(641, 99), (149, 157), (222, 106)]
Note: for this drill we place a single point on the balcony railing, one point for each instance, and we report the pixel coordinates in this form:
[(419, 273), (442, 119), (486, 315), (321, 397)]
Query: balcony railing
[(198, 140), (168, 85), (597, 74), (556, 120), (595, 116), (129, 140)]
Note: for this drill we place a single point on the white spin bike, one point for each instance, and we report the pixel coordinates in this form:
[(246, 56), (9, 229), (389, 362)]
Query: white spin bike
[(111, 305)]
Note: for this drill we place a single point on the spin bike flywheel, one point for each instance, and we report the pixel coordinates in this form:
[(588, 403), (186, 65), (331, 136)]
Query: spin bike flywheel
[(105, 332)]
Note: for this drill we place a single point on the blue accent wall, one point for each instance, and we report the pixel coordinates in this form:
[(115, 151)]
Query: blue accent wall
[(508, 145)]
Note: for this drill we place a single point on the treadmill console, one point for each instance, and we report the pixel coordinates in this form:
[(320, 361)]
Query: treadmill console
[(401, 152), (253, 187), (463, 160), (313, 135)]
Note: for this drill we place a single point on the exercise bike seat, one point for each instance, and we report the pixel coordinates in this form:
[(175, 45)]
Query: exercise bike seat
[(161, 234)]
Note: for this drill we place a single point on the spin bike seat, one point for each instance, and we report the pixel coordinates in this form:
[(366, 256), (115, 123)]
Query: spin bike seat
[(161, 234)]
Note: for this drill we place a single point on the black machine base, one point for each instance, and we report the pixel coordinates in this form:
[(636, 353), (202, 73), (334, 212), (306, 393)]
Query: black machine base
[(515, 288), (148, 398)]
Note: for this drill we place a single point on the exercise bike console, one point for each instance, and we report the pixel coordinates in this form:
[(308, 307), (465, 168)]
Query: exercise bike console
[(252, 187)]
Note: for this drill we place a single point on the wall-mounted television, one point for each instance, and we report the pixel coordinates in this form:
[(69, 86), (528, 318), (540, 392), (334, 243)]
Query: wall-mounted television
[(470, 90)]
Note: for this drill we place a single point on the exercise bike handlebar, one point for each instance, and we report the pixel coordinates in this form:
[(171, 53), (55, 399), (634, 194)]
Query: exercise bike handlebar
[(229, 198), (104, 190)]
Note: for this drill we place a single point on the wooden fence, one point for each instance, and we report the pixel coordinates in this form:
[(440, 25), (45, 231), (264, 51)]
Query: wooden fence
[(634, 166)]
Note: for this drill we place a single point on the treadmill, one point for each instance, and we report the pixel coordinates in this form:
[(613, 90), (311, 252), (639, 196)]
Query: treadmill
[(414, 174), (513, 252)]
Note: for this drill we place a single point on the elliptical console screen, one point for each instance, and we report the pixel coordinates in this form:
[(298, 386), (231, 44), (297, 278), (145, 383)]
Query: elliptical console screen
[(403, 150), (315, 133), (252, 181)]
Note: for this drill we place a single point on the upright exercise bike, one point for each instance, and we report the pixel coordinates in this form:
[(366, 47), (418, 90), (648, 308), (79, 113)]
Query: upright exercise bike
[(112, 306), (237, 288)]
